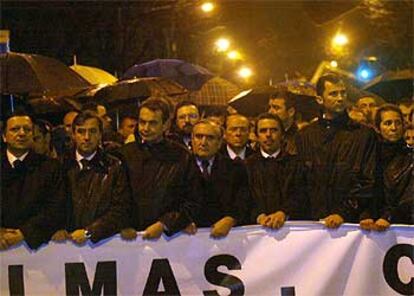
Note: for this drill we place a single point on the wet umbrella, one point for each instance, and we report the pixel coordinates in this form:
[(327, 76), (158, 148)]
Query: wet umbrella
[(254, 101), (94, 75), (393, 85), (32, 75), (216, 91), (191, 76), (138, 89)]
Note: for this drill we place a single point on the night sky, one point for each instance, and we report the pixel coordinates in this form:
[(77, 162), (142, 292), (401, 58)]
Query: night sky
[(277, 38)]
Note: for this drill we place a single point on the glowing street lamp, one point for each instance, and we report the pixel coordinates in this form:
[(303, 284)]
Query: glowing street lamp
[(333, 64), (207, 7), (234, 55), (340, 40), (222, 44), (245, 72)]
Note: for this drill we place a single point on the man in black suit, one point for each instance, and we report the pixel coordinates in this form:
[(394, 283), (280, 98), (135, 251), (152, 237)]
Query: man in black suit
[(236, 136), (276, 178), (98, 191), (158, 171), (32, 191), (224, 200), (186, 115)]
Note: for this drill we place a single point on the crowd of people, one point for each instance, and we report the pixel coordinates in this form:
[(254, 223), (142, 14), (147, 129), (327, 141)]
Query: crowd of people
[(171, 169)]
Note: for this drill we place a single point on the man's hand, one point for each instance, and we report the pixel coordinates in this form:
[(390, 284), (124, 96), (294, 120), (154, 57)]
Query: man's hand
[(275, 220), (60, 236), (333, 221), (191, 229), (381, 225), (367, 224), (13, 237), (261, 219), (222, 227), (153, 231), (128, 234), (3, 242), (79, 236)]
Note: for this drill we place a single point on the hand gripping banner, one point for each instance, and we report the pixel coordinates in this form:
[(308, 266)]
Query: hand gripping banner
[(299, 259)]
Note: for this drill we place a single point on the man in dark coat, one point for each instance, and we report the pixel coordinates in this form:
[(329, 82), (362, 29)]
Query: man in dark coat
[(276, 178), (32, 188), (158, 171), (340, 157), (236, 136), (282, 104), (98, 192), (224, 200)]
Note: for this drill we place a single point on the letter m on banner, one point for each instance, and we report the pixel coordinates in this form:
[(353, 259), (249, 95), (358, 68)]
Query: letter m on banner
[(77, 282)]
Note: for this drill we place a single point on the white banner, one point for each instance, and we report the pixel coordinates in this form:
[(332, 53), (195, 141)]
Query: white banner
[(299, 259)]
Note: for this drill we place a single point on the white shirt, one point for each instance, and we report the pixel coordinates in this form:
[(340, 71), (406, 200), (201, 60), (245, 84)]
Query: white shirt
[(80, 157), (265, 155), (11, 158), (233, 154), (210, 164)]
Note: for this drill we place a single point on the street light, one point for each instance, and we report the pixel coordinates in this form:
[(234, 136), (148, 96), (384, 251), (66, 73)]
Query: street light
[(340, 40), (245, 72), (207, 7), (234, 55), (333, 64), (222, 44)]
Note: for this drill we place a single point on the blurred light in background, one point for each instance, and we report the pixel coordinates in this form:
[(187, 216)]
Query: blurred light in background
[(222, 44), (245, 72), (207, 7)]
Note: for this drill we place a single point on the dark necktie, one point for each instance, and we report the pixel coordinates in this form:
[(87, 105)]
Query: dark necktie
[(204, 165), (85, 164), (18, 165), (237, 158)]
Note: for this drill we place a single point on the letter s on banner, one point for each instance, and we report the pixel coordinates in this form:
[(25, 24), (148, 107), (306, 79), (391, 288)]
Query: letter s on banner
[(222, 279), (390, 268)]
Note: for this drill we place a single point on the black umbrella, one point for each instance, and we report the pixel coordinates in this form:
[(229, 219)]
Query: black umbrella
[(32, 75), (393, 85), (191, 76), (134, 90), (252, 102)]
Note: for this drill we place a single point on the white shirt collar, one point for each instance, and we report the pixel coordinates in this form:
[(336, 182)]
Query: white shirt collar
[(233, 154), (80, 157), (210, 164), (11, 158), (265, 155)]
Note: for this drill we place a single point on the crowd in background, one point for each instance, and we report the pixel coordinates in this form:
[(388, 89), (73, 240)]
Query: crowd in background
[(170, 168)]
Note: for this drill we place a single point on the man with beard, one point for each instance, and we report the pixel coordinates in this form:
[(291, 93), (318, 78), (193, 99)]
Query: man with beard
[(98, 191), (224, 200), (158, 171), (186, 115), (282, 104), (32, 188), (340, 158), (236, 135), (276, 178)]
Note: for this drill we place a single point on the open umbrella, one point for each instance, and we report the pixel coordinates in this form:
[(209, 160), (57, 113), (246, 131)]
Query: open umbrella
[(94, 75), (132, 90), (191, 76), (254, 101), (216, 91), (32, 75), (393, 85)]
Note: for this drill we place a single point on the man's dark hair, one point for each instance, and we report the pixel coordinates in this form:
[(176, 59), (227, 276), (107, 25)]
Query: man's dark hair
[(272, 117), (157, 104), (330, 77), (45, 127), (283, 93), (385, 108), (17, 113), (407, 102), (85, 115)]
